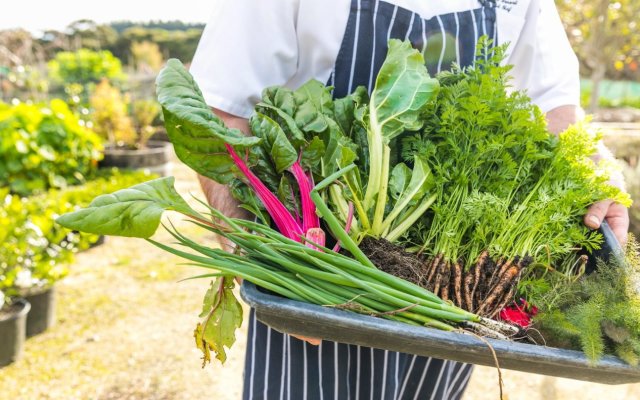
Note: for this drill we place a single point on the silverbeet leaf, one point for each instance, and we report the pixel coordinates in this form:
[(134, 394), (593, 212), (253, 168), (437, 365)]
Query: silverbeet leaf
[(279, 104), (131, 212), (403, 88), (314, 107), (274, 141), (198, 135), (222, 315)]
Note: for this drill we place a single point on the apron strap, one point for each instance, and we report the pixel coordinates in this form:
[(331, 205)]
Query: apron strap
[(488, 3)]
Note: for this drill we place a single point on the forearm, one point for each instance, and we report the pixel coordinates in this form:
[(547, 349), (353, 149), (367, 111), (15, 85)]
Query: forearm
[(616, 214), (219, 197), (561, 117)]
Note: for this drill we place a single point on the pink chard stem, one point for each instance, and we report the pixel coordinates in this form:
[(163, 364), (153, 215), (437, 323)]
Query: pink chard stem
[(310, 218), (286, 224)]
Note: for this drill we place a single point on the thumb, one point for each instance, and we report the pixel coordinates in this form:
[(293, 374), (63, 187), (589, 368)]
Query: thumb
[(596, 213)]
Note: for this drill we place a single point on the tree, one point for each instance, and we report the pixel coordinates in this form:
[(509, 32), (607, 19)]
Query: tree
[(604, 35), (87, 34)]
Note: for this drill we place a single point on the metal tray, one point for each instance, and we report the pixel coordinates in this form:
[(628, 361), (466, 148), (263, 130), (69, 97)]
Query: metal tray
[(347, 327)]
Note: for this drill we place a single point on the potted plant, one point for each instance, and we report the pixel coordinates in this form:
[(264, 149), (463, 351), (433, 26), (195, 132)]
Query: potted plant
[(127, 129), (13, 321), (30, 261), (13, 310)]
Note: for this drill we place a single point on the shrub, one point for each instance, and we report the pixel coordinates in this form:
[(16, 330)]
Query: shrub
[(85, 66), (144, 113), (120, 122), (44, 146), (34, 250), (109, 115)]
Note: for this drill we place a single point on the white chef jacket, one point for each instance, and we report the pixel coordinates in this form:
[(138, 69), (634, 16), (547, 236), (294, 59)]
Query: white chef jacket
[(251, 44)]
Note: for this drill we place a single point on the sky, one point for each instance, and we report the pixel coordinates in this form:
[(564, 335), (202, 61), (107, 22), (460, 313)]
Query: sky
[(38, 15)]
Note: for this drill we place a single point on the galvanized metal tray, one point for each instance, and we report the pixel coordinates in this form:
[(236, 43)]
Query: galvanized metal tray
[(347, 327)]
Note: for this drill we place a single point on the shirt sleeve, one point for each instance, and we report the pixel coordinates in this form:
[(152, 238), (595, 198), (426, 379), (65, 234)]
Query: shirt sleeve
[(544, 62), (246, 46)]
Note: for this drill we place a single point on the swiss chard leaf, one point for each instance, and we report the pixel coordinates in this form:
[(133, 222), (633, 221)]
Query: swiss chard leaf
[(314, 107), (132, 212), (312, 153), (274, 141), (399, 180), (222, 315), (403, 88), (279, 104), (198, 135), (401, 95), (344, 108)]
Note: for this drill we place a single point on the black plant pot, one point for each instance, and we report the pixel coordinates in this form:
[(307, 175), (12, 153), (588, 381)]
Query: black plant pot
[(13, 323), (160, 135), (43, 310), (156, 158)]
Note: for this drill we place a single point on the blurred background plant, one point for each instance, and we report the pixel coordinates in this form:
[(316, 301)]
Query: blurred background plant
[(144, 113), (109, 115), (605, 36), (35, 252), (85, 66), (44, 146)]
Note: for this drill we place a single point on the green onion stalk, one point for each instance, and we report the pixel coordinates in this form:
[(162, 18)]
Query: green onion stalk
[(319, 275)]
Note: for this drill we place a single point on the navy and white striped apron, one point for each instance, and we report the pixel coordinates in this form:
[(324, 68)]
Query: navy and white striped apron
[(278, 366)]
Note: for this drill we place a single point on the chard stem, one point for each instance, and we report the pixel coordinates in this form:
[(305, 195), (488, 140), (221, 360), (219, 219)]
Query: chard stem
[(381, 203)]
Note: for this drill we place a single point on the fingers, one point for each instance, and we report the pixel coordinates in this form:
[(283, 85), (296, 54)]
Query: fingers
[(617, 217), (597, 213), (310, 340)]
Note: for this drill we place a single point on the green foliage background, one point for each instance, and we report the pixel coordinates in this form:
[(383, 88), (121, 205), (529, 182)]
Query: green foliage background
[(44, 146)]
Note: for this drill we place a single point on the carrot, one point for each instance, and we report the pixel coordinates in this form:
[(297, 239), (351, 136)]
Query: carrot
[(501, 268), (477, 270), (503, 302), (457, 283), (445, 283), (438, 278), (501, 286), (468, 283), (433, 270)]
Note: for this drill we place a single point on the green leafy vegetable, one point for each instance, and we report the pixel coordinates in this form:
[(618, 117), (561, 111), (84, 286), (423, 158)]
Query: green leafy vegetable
[(597, 313), (403, 89), (132, 212), (198, 135), (222, 315)]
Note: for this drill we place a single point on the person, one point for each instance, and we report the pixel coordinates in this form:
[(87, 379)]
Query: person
[(249, 45)]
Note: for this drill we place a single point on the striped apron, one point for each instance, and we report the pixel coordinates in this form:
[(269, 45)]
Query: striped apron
[(278, 366)]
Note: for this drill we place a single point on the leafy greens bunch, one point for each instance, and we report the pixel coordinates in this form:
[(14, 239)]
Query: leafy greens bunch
[(297, 137), (507, 191)]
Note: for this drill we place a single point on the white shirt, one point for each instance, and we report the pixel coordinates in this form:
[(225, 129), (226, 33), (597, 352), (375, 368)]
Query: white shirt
[(251, 44)]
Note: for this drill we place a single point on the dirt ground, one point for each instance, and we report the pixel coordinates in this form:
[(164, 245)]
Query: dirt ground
[(124, 331)]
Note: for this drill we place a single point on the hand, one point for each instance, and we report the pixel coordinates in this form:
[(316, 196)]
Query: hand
[(617, 217), (310, 340)]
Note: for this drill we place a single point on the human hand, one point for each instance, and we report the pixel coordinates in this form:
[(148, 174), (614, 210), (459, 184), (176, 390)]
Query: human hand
[(616, 215), (310, 340)]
